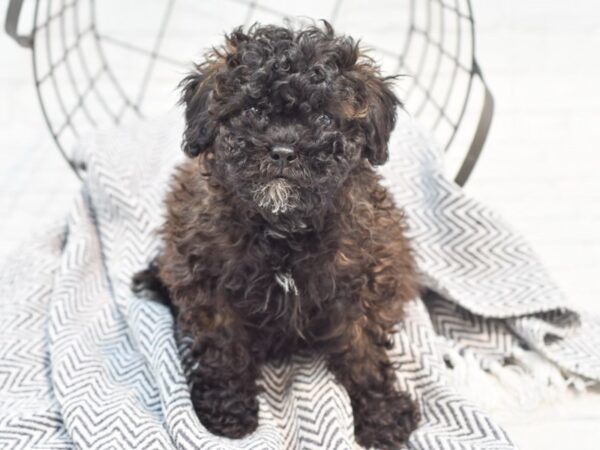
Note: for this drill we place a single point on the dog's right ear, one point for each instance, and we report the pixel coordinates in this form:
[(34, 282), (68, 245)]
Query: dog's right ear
[(196, 95)]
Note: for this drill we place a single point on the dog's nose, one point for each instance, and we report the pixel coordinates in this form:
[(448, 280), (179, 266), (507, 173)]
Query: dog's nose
[(282, 154)]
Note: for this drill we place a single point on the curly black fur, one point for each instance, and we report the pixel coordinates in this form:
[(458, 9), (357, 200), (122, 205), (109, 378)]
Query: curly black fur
[(267, 253)]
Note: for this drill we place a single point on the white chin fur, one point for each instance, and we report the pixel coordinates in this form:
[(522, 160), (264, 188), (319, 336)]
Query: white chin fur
[(277, 196)]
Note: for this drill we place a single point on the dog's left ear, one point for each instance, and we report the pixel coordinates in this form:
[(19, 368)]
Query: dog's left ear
[(381, 104), (200, 126)]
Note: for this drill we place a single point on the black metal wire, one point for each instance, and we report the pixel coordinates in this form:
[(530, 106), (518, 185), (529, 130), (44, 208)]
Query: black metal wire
[(428, 89), (336, 10), (80, 104), (91, 78), (438, 60), (42, 104), (455, 68), (51, 18), (471, 73), (53, 68), (134, 48), (115, 82), (66, 52), (155, 50), (415, 76), (249, 12)]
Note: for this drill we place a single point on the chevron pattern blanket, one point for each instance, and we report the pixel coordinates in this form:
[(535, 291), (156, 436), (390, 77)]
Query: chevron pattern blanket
[(84, 363)]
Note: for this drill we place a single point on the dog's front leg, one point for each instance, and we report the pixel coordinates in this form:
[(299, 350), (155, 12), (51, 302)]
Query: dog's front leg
[(223, 377), (383, 416)]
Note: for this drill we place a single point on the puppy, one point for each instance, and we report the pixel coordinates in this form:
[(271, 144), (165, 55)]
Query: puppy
[(279, 236)]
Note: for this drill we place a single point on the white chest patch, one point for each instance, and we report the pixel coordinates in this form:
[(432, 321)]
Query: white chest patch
[(286, 282)]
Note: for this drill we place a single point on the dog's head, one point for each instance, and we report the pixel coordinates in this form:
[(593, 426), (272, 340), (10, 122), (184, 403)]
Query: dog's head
[(283, 116)]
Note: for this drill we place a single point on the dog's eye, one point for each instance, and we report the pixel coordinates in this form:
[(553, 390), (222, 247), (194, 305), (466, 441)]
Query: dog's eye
[(253, 111), (325, 119)]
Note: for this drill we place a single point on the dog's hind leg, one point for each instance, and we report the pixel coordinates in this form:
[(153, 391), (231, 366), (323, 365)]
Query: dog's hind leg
[(147, 283)]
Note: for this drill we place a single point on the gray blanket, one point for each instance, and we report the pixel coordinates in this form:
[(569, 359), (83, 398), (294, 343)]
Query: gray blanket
[(84, 363)]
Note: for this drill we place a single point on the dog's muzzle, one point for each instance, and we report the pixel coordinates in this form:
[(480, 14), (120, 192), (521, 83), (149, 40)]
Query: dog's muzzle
[(283, 155)]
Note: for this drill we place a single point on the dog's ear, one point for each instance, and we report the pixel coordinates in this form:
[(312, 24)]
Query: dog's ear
[(380, 103), (196, 95)]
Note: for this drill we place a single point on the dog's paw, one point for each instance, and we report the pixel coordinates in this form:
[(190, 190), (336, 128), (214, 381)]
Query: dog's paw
[(234, 419), (148, 284), (385, 423)]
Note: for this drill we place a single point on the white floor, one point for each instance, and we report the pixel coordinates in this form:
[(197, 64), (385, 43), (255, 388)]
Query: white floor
[(540, 167)]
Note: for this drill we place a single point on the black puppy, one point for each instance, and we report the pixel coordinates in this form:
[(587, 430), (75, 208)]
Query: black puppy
[(279, 236)]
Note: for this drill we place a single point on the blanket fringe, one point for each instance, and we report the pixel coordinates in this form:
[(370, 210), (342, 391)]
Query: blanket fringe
[(524, 380)]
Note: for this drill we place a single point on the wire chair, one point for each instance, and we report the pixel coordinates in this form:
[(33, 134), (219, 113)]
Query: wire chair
[(104, 62)]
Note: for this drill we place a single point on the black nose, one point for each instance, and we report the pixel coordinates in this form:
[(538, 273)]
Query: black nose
[(283, 155)]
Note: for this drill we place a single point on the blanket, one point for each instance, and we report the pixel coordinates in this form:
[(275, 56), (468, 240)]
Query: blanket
[(84, 363)]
